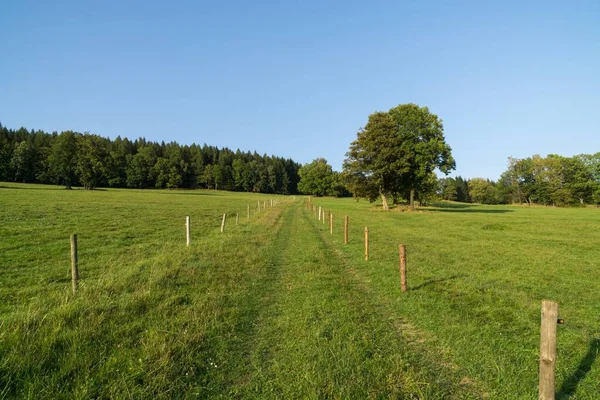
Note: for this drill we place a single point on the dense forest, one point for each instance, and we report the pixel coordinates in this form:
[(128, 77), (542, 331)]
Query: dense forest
[(91, 161)]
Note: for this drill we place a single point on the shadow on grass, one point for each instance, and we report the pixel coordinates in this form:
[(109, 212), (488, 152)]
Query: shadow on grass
[(434, 281), (190, 192), (32, 188), (464, 208), (569, 386)]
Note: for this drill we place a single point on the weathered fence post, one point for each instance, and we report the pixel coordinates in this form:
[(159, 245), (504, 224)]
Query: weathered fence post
[(223, 223), (319, 213), (346, 229), (264, 204), (237, 218), (248, 211), (323, 217), (258, 201), (366, 244), (187, 231), (330, 223), (548, 349), (74, 263), (402, 267)]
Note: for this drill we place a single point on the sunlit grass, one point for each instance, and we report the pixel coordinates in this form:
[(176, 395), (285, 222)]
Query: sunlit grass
[(276, 307)]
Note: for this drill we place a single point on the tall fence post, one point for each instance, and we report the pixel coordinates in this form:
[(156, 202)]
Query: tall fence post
[(74, 263), (346, 229), (237, 218), (330, 223), (187, 231), (548, 349), (223, 223), (402, 249), (366, 244), (248, 211), (319, 213)]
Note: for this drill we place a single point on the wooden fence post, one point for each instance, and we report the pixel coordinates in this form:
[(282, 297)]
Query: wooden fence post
[(258, 201), (548, 349), (330, 223), (74, 263), (346, 229), (187, 231), (323, 217), (319, 213), (223, 223), (248, 211), (402, 267), (237, 218), (366, 244)]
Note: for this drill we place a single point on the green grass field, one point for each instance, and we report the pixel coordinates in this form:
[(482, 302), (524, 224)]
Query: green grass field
[(277, 307)]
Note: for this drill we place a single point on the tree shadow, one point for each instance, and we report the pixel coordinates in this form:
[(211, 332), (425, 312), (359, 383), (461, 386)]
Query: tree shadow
[(464, 208), (190, 192), (434, 281), (453, 205), (31, 188), (569, 386)]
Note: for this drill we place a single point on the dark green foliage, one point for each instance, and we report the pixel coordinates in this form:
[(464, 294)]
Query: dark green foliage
[(91, 161), (553, 180), (315, 177), (318, 179), (396, 153), (63, 158)]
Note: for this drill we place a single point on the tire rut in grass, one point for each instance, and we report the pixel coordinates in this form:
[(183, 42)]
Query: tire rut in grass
[(320, 336), (228, 349), (414, 345)]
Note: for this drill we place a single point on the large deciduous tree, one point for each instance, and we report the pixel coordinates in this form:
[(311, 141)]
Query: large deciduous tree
[(316, 177), (396, 153)]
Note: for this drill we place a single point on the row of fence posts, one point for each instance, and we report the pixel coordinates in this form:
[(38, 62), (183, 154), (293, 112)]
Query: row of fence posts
[(188, 239), (549, 312), (320, 214)]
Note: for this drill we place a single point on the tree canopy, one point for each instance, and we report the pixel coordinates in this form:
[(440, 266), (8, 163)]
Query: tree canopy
[(396, 153), (318, 179)]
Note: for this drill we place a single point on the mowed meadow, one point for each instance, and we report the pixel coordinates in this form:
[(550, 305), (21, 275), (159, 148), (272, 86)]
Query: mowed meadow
[(278, 307)]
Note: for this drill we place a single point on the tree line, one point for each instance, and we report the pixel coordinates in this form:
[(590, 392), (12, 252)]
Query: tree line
[(91, 161), (396, 154), (393, 157), (553, 181)]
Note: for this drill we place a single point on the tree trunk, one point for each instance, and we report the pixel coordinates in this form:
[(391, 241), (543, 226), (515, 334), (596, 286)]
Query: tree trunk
[(384, 201), (412, 199)]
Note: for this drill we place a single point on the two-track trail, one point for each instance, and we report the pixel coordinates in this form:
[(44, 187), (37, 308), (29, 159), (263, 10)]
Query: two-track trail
[(312, 330)]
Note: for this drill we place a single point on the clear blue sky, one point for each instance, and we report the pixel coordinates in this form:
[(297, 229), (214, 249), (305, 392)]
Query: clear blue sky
[(299, 78)]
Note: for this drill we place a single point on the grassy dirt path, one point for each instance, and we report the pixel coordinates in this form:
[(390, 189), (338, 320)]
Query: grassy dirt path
[(318, 333)]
